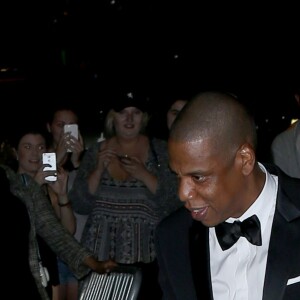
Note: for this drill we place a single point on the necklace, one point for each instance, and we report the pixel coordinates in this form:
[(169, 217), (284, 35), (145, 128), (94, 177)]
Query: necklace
[(128, 149)]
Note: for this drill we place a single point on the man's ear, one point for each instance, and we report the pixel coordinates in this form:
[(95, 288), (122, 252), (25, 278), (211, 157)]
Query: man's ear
[(246, 154)]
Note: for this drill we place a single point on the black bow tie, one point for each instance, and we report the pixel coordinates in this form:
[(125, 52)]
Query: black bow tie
[(229, 233)]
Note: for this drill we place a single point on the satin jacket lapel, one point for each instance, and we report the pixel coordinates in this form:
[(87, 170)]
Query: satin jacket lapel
[(199, 252), (179, 261), (282, 245)]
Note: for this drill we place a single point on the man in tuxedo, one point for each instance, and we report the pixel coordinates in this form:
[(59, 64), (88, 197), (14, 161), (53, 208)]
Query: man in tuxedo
[(238, 234)]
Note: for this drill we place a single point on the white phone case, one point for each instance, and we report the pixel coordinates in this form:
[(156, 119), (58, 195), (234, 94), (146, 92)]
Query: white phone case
[(50, 158), (72, 128)]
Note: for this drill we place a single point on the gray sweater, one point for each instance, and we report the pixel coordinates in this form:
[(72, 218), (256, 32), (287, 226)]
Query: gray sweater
[(44, 222)]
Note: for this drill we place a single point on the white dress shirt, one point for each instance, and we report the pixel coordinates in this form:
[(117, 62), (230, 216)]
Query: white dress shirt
[(238, 273)]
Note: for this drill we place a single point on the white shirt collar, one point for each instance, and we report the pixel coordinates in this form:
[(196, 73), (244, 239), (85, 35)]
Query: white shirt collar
[(263, 205)]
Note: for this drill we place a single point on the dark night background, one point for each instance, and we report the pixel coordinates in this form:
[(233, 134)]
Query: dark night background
[(83, 48)]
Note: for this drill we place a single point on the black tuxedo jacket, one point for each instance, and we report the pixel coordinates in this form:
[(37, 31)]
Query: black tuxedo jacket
[(183, 250)]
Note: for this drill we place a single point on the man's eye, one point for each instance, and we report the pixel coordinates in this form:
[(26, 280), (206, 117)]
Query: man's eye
[(198, 178)]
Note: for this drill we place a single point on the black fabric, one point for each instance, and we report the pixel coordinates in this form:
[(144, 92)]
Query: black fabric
[(49, 260), (150, 288), (229, 233), (198, 234)]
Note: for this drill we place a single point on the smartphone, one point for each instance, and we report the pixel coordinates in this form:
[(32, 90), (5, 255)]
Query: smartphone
[(72, 128), (49, 158)]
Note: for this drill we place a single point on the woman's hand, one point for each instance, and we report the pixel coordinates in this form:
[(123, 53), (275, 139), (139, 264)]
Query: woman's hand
[(77, 147), (59, 186), (100, 267), (134, 167), (105, 156), (40, 175)]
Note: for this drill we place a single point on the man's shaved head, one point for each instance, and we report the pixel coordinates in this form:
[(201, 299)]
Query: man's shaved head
[(218, 117)]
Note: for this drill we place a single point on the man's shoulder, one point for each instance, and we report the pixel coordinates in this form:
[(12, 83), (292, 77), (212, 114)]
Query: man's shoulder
[(287, 134), (288, 186), (283, 177)]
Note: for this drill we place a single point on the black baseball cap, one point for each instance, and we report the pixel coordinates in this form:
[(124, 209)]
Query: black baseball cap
[(129, 98)]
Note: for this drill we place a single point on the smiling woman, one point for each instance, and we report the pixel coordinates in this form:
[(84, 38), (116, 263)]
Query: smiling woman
[(125, 185), (29, 204)]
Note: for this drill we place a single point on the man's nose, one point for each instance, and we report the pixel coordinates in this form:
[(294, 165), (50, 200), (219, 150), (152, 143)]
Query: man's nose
[(185, 190)]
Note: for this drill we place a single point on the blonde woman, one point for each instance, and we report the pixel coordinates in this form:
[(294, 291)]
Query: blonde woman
[(123, 184)]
